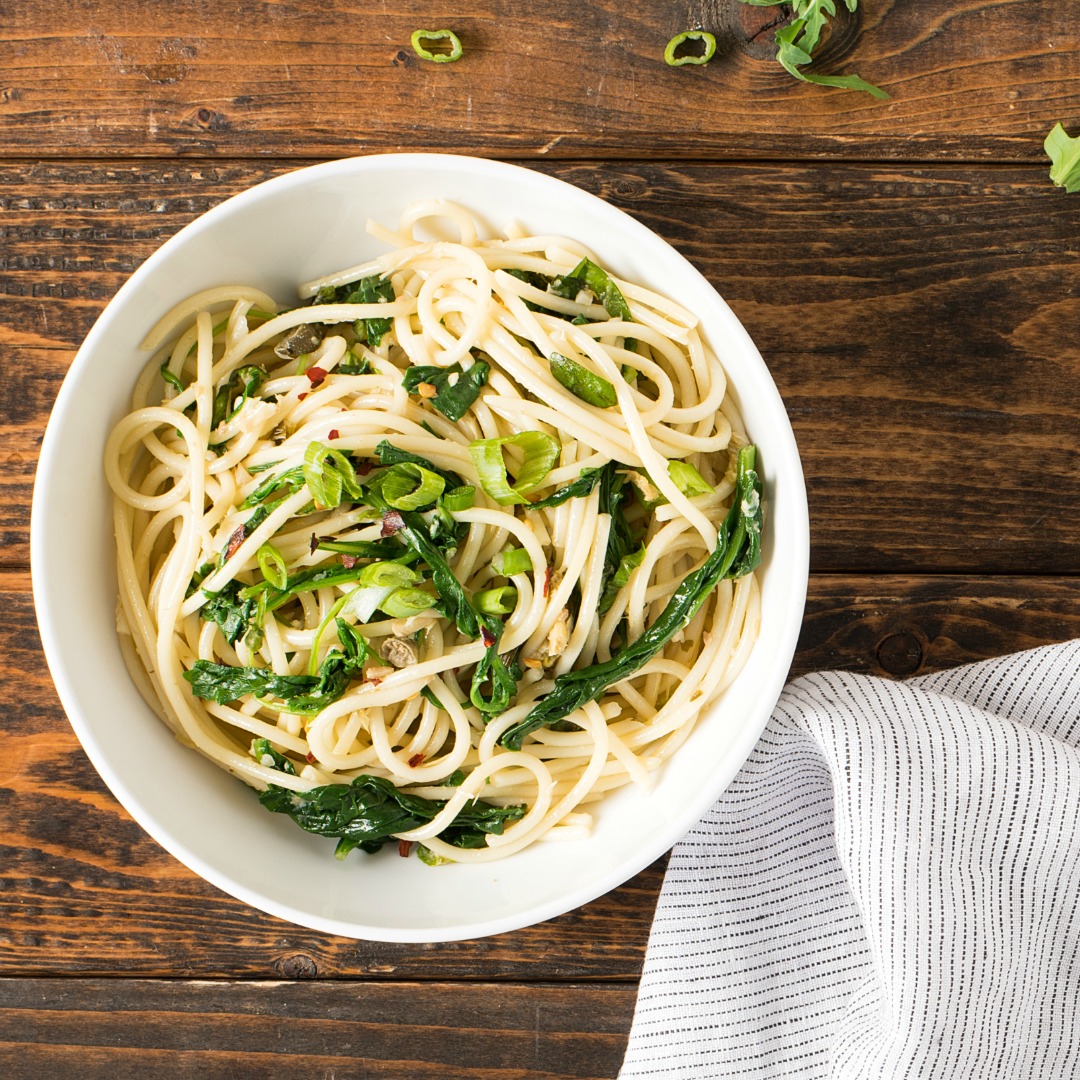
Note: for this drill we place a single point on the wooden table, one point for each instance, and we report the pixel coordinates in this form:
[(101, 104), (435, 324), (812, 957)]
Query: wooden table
[(906, 268)]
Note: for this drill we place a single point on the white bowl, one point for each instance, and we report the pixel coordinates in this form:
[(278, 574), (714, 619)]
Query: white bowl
[(291, 229)]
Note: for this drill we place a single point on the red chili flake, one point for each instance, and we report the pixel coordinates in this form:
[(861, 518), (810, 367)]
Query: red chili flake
[(316, 375), (362, 467), (404, 848), (487, 637), (547, 580), (392, 522), (311, 758), (349, 561), (333, 433), (300, 397), (314, 544), (415, 760), (237, 538)]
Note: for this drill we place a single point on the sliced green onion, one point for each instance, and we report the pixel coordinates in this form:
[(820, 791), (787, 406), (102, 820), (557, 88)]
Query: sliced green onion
[(512, 561), (387, 573), (708, 48), (539, 454), (329, 474), (408, 486), (582, 383), (406, 601), (420, 36), (461, 498), (272, 565), (688, 480), (500, 601)]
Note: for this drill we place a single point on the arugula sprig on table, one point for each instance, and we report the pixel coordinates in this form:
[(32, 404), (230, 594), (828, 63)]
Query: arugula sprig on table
[(795, 43), (1064, 154)]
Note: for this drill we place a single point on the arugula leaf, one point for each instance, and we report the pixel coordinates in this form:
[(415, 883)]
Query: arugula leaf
[(369, 290), (371, 811), (796, 42), (576, 489), (243, 382), (621, 540), (587, 275), (302, 694), (584, 384), (627, 565), (737, 552), (261, 750), (1064, 154), (389, 454), (230, 611), (453, 397), (223, 683)]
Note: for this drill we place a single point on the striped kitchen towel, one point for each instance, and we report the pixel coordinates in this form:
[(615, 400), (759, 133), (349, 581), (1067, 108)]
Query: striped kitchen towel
[(889, 888)]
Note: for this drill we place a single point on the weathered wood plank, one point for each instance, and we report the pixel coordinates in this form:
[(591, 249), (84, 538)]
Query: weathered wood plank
[(912, 319), (121, 1029), (972, 81), (84, 890)]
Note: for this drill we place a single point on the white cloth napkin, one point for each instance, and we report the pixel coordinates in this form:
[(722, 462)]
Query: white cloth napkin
[(889, 888)]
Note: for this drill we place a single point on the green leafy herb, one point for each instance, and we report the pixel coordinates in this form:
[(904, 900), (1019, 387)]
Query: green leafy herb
[(697, 47), (1064, 154), (621, 539), (413, 531), (389, 454), (737, 552), (627, 565), (419, 37), (232, 613), (429, 695), (796, 42), (539, 452), (576, 489), (455, 390), (265, 754), (591, 388), (241, 384), (362, 549), (370, 811), (369, 290), (302, 694), (174, 380), (587, 275)]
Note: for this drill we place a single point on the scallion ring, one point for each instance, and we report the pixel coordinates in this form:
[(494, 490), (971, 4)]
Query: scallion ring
[(708, 48), (420, 36)]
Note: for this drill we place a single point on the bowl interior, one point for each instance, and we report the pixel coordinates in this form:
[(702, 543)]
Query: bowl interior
[(274, 236)]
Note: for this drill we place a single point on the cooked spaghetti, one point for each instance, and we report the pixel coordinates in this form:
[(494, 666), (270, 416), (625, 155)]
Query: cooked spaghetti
[(443, 554)]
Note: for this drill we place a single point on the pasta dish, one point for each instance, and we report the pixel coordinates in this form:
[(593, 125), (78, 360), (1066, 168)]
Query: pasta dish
[(442, 554)]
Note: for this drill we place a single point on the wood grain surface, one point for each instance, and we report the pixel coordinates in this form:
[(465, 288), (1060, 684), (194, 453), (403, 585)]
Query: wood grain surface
[(969, 80), (127, 1030), (906, 268)]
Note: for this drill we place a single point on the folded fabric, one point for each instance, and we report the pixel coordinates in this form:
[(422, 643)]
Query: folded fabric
[(889, 888)]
